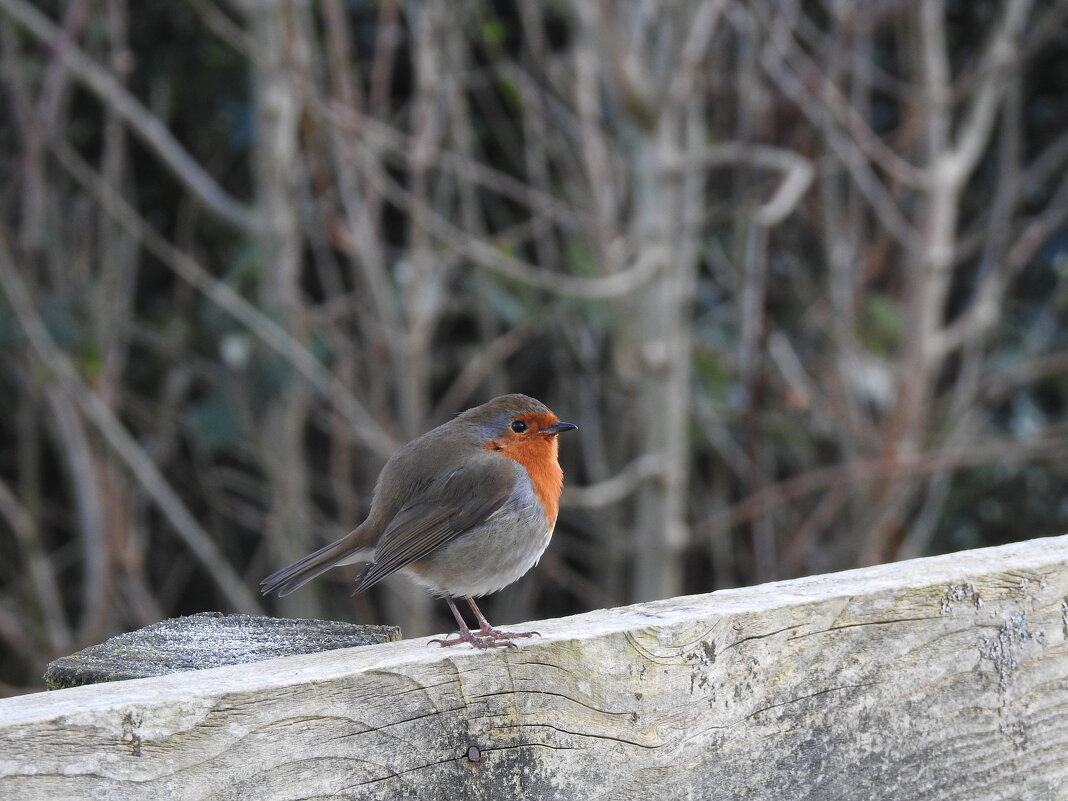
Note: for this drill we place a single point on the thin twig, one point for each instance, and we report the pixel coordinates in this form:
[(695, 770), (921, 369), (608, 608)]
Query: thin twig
[(141, 466), (326, 384), (40, 571), (761, 502), (142, 122)]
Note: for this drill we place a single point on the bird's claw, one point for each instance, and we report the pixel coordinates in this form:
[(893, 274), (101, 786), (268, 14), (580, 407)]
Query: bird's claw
[(445, 642)]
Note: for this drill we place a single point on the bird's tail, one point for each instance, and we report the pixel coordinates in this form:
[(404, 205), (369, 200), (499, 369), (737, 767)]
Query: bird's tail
[(344, 551)]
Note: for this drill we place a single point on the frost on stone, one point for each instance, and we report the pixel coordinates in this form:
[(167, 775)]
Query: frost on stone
[(206, 640)]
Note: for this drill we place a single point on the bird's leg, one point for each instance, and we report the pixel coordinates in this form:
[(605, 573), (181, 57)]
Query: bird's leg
[(480, 640), (464, 634), (486, 630)]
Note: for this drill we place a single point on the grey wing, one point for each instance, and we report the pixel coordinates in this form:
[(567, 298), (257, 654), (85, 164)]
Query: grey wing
[(466, 497)]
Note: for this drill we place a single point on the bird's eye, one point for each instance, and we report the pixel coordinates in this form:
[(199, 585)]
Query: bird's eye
[(518, 426)]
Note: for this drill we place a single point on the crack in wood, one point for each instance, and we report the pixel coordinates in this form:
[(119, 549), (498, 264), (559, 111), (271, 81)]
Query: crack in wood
[(584, 735)]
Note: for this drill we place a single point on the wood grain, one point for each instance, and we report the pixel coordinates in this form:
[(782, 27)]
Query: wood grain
[(939, 678)]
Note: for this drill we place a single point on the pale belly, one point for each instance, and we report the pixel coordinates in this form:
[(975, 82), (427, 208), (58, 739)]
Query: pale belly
[(491, 556)]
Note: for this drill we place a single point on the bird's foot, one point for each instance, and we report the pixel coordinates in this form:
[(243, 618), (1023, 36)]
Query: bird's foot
[(476, 640), (485, 638)]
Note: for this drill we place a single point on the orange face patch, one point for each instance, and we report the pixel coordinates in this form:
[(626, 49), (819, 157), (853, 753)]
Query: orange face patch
[(537, 452)]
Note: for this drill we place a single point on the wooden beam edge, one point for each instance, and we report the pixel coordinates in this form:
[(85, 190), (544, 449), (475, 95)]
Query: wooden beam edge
[(277, 674)]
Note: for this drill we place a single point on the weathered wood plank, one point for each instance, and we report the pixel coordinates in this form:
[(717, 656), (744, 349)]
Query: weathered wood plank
[(932, 679)]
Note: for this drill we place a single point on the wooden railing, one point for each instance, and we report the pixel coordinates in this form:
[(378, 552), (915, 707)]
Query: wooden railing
[(938, 678)]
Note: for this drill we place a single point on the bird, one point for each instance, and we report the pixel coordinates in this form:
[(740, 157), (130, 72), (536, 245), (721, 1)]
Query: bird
[(465, 510)]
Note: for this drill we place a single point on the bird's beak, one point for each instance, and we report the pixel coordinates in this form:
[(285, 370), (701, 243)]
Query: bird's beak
[(558, 428)]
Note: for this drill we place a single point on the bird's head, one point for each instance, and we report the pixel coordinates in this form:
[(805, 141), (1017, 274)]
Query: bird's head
[(515, 423)]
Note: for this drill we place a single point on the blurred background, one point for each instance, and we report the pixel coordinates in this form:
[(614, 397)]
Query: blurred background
[(796, 269)]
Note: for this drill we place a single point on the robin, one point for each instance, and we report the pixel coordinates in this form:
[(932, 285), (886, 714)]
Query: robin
[(465, 510)]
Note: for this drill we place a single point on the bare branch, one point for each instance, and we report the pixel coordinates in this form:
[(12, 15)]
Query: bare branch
[(1047, 445), (851, 156), (1029, 371), (1000, 54), (86, 490), (46, 589), (702, 26), (498, 259), (797, 171), (221, 25), (142, 122), (140, 465), (619, 486), (789, 57), (380, 139), (273, 335)]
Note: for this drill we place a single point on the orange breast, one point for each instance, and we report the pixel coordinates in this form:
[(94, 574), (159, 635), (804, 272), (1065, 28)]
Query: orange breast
[(538, 455)]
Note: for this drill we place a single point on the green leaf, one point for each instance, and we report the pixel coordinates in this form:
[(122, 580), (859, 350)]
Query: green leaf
[(214, 423), (493, 33), (882, 329)]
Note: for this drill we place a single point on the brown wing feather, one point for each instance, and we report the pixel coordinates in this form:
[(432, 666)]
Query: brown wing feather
[(463, 499)]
